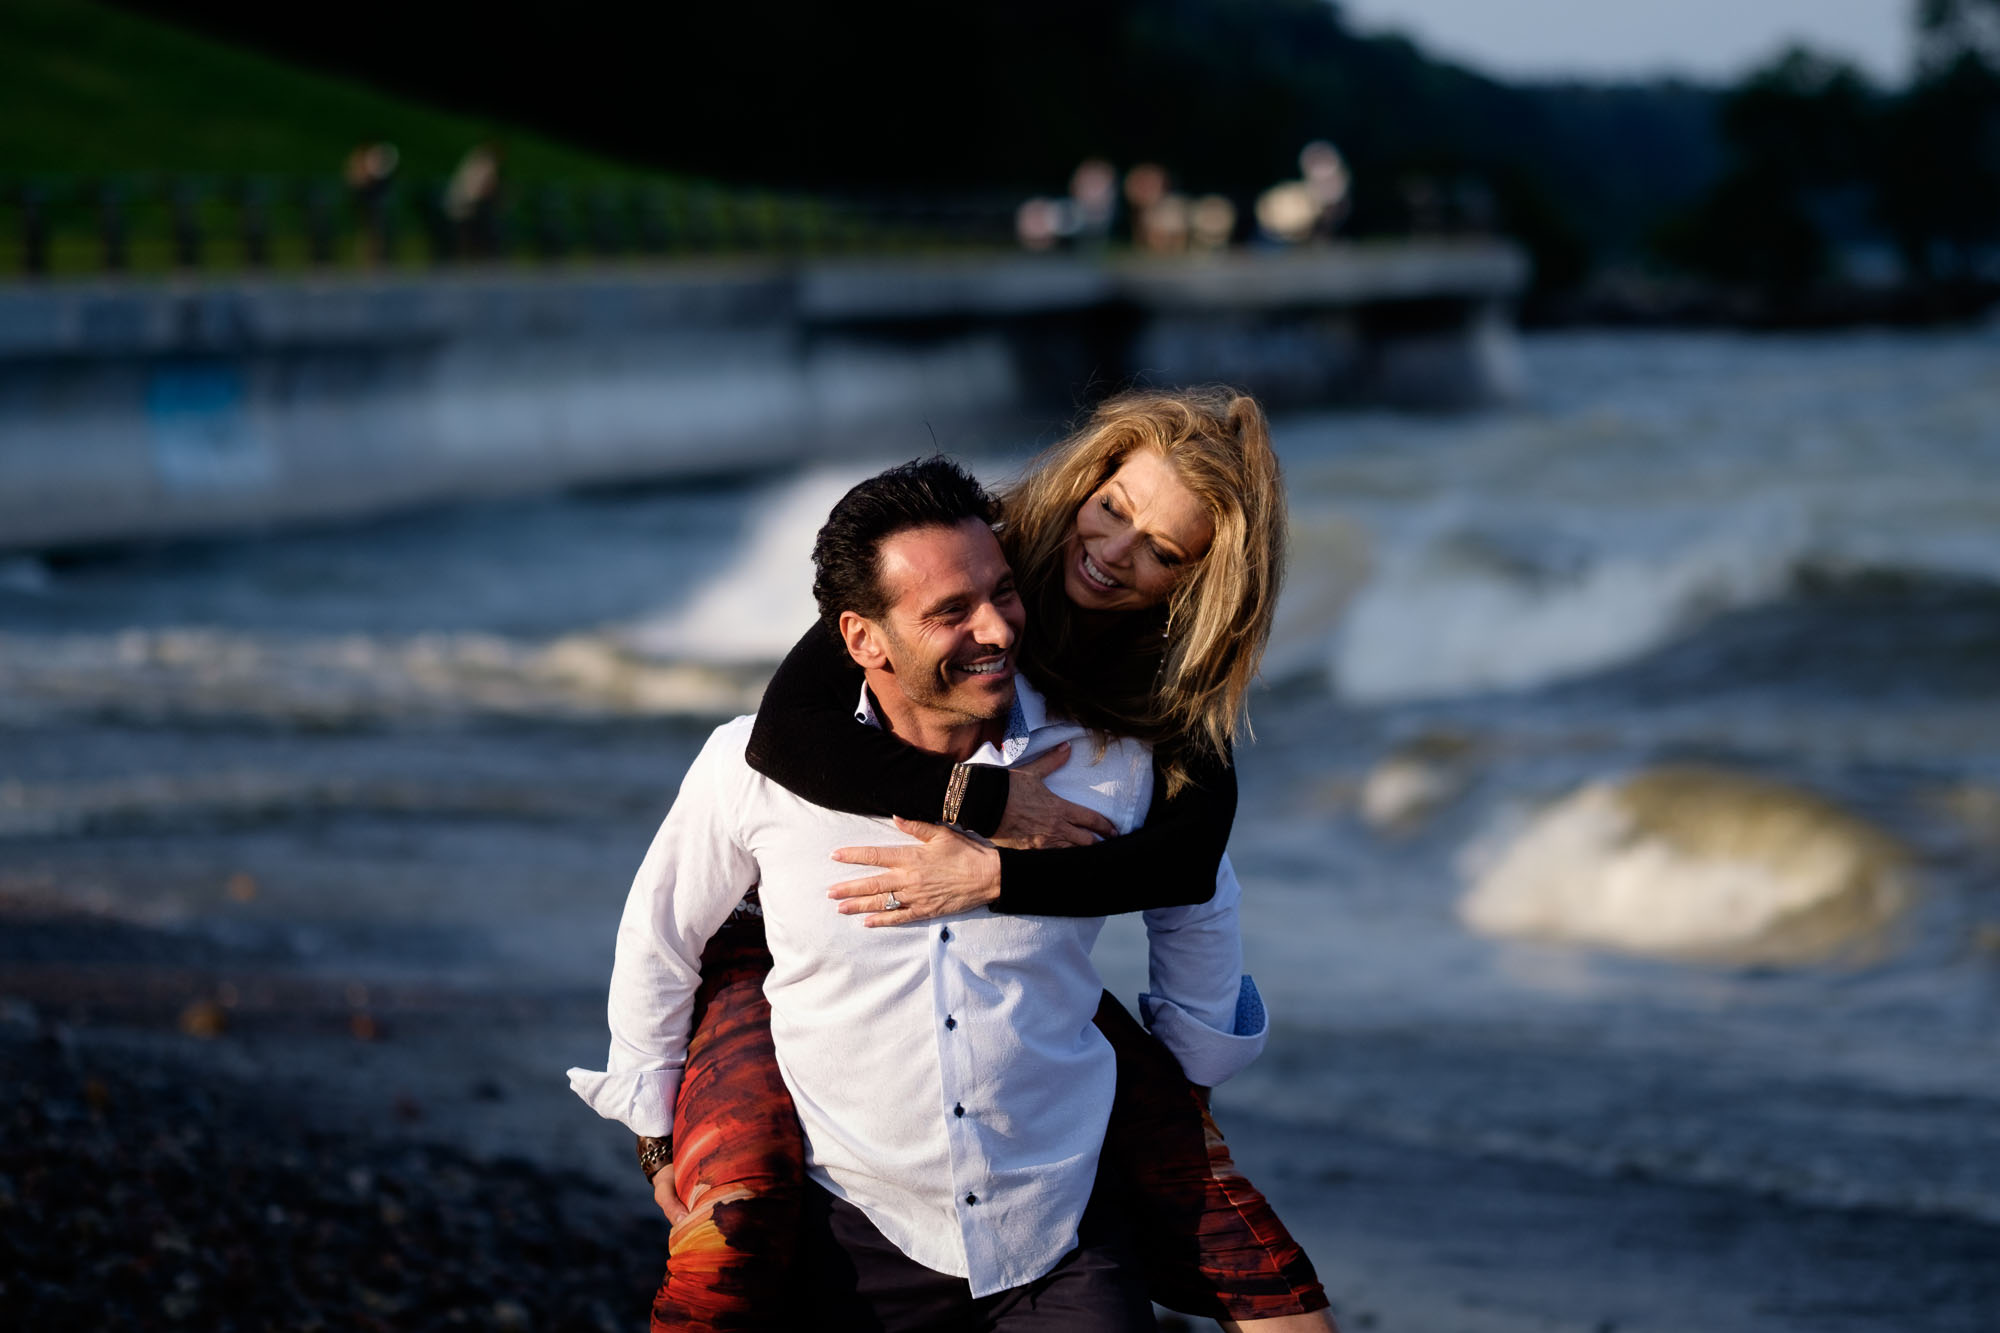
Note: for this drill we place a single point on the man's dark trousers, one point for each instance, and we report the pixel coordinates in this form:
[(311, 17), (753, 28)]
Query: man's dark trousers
[(855, 1281)]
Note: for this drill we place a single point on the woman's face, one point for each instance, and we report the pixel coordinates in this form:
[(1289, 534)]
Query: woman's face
[(1135, 537)]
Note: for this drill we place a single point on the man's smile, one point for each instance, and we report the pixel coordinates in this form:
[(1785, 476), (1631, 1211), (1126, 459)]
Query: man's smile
[(997, 666)]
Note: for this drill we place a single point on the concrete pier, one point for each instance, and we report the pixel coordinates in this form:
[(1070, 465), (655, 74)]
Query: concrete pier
[(133, 410)]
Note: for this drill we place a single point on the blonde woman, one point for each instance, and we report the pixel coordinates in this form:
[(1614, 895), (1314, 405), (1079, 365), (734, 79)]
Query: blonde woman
[(1148, 547)]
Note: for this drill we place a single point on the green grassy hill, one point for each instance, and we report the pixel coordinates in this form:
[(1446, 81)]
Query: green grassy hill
[(99, 104), (85, 89)]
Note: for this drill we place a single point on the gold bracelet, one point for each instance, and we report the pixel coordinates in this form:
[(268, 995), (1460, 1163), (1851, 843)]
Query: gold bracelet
[(954, 792)]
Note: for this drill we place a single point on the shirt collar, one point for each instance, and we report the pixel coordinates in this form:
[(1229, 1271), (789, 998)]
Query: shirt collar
[(1028, 716), (864, 712)]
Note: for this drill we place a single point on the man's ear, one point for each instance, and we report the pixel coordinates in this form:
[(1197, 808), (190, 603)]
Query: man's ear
[(865, 641)]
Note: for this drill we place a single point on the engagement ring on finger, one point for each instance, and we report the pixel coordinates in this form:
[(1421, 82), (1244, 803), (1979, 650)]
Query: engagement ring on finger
[(892, 905)]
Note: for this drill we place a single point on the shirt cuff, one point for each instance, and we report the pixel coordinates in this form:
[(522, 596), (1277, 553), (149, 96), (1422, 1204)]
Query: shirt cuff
[(1207, 1055), (642, 1101)]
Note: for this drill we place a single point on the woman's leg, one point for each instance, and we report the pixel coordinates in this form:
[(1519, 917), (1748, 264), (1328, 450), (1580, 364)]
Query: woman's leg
[(1211, 1244), (739, 1156)]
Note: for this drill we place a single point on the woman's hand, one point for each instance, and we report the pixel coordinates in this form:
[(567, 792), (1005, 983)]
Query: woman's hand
[(664, 1195), (1037, 817), (946, 872)]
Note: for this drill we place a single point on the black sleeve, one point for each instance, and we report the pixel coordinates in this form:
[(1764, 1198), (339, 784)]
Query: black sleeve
[(808, 741), (1169, 861)]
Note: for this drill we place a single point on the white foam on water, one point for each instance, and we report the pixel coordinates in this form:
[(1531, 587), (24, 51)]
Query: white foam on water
[(755, 610), (1450, 614), (339, 680), (1687, 864), (1328, 565), (1653, 482)]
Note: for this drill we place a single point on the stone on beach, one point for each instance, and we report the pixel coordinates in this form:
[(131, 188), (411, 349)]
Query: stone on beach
[(1694, 863)]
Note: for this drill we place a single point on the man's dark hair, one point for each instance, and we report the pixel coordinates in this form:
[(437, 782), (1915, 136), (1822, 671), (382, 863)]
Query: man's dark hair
[(929, 492)]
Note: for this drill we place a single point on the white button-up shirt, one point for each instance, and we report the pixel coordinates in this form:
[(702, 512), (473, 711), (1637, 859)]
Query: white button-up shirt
[(947, 1073)]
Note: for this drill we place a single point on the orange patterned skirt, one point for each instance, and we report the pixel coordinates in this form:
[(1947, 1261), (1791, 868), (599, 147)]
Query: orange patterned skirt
[(739, 1155), (1212, 1245)]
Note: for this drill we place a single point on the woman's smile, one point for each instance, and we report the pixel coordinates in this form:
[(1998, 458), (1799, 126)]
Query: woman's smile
[(1093, 572)]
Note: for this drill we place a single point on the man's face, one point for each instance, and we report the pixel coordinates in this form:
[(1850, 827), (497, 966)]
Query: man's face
[(954, 621)]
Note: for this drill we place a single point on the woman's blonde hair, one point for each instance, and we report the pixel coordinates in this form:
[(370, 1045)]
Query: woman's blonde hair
[(1176, 678)]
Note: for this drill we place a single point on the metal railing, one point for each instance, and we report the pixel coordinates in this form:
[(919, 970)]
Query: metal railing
[(158, 223)]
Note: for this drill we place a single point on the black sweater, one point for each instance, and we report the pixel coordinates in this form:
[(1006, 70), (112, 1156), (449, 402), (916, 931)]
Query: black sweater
[(806, 740)]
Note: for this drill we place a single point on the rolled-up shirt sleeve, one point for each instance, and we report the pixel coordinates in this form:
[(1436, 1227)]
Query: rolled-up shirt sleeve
[(1201, 1006), (694, 874)]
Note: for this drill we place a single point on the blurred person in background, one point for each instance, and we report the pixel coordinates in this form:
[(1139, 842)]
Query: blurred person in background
[(1093, 193), (1327, 184), (1211, 222), (472, 201), (1149, 549), (370, 170), (1083, 218), (1311, 208)]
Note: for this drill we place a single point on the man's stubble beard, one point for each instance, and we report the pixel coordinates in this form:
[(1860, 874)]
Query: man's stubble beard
[(928, 692)]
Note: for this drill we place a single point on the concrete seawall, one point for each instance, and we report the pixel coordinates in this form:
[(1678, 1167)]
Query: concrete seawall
[(133, 410)]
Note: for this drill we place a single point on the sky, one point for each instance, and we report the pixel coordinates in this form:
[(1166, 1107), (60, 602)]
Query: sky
[(1710, 40)]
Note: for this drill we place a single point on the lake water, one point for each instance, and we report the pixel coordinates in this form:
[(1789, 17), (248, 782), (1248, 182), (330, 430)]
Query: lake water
[(1767, 557)]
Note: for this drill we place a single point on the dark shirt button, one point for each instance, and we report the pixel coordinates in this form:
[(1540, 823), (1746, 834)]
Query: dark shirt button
[(959, 1109), (945, 934), (949, 1022), (972, 1198)]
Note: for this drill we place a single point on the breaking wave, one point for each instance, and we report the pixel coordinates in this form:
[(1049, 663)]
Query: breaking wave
[(762, 601), (1463, 609), (169, 675)]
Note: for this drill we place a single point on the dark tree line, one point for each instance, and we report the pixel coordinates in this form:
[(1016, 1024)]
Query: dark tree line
[(1819, 158)]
